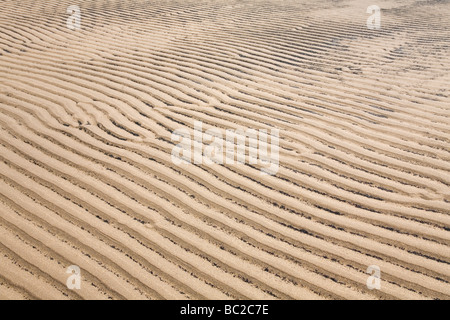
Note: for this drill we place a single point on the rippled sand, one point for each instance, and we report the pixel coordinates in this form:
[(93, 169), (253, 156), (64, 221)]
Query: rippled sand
[(87, 178)]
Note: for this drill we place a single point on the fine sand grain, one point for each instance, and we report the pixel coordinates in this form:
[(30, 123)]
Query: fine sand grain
[(87, 178)]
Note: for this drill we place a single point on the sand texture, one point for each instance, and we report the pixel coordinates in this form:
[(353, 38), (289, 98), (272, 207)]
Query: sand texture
[(87, 178)]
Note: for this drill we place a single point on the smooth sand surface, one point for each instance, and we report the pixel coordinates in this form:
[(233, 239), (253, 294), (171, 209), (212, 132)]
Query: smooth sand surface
[(87, 179)]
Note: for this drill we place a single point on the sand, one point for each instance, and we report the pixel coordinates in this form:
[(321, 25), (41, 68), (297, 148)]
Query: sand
[(87, 178)]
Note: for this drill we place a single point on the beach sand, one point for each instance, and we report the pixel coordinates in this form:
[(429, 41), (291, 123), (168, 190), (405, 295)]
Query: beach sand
[(88, 179)]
